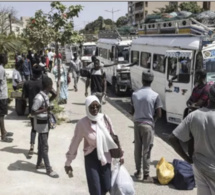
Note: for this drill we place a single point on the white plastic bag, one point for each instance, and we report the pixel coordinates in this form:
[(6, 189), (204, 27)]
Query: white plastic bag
[(121, 181)]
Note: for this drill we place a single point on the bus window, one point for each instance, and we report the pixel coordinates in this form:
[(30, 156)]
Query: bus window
[(88, 50), (123, 53), (145, 60), (179, 69), (159, 63), (103, 53), (135, 56)]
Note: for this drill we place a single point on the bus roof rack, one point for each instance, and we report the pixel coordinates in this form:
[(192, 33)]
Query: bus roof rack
[(109, 34), (182, 26)]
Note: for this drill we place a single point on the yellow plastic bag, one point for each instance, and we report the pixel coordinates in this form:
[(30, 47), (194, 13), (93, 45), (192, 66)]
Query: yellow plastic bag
[(165, 171)]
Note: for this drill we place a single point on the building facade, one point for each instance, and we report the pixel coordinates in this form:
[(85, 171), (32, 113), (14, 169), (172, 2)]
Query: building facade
[(15, 25), (138, 10)]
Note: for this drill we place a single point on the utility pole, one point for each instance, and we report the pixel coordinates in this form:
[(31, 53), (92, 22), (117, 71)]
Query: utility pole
[(112, 11), (10, 22)]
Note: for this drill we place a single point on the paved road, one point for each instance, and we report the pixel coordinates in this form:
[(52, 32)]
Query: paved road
[(123, 103), (19, 176)]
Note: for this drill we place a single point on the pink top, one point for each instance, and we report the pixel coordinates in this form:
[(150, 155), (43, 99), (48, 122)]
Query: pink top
[(84, 130)]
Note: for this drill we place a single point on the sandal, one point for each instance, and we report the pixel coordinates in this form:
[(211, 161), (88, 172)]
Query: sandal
[(53, 174), (7, 139)]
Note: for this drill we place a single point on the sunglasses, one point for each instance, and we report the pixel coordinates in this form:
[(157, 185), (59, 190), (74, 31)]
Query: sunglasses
[(95, 106)]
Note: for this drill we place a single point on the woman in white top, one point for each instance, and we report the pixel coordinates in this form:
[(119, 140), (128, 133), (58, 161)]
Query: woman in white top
[(63, 80), (95, 131)]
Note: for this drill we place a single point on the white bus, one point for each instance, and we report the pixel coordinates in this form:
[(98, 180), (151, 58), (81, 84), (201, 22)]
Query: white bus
[(69, 49), (168, 56), (110, 51), (88, 49)]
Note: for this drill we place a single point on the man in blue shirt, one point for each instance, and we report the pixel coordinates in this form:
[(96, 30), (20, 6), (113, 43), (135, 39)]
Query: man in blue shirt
[(146, 109), (26, 68)]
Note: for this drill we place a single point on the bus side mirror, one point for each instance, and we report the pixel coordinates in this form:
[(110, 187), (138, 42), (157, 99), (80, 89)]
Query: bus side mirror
[(96, 53), (111, 55)]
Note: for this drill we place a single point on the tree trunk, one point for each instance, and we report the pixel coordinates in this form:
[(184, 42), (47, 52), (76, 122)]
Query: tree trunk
[(58, 70)]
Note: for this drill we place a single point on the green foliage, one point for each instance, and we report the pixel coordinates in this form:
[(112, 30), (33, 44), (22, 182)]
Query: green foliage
[(167, 9), (55, 26), (121, 21), (191, 7), (57, 109), (97, 25), (9, 90)]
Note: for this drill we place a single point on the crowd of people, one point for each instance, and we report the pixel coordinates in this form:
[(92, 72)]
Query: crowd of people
[(197, 128)]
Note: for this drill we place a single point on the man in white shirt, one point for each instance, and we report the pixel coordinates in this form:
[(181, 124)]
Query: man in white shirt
[(16, 78), (75, 67), (3, 101)]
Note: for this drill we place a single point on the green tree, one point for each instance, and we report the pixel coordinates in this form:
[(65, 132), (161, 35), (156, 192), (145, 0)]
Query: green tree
[(58, 27), (38, 31), (167, 9), (121, 21), (191, 7)]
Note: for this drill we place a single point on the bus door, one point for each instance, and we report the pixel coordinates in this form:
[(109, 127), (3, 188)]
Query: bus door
[(178, 85)]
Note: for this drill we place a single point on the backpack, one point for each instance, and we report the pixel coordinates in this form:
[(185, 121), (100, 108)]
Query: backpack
[(184, 177)]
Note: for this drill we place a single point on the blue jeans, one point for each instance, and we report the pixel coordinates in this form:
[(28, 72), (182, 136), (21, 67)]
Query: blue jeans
[(98, 176), (33, 132)]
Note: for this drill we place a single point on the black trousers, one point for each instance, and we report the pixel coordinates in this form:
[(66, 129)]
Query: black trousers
[(43, 151), (33, 132), (98, 176)]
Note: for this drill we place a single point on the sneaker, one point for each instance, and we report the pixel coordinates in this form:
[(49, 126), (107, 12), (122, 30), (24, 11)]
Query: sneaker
[(138, 174), (31, 152), (53, 174), (40, 166), (75, 88), (6, 139), (148, 179)]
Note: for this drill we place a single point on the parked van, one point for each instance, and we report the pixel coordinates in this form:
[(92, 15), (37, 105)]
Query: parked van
[(168, 56), (115, 51), (88, 49)]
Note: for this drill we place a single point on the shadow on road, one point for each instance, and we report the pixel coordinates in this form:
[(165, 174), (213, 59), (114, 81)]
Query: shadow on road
[(13, 149), (21, 165), (13, 115), (73, 121), (80, 104)]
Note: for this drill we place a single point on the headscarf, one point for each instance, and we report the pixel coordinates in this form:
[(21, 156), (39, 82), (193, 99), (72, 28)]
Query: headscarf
[(104, 141)]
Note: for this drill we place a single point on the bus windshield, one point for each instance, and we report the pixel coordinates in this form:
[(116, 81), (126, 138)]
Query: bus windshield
[(209, 66), (123, 54), (89, 50)]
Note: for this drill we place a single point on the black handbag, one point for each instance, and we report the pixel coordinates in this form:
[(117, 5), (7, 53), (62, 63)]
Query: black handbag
[(116, 152), (84, 73), (52, 121)]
